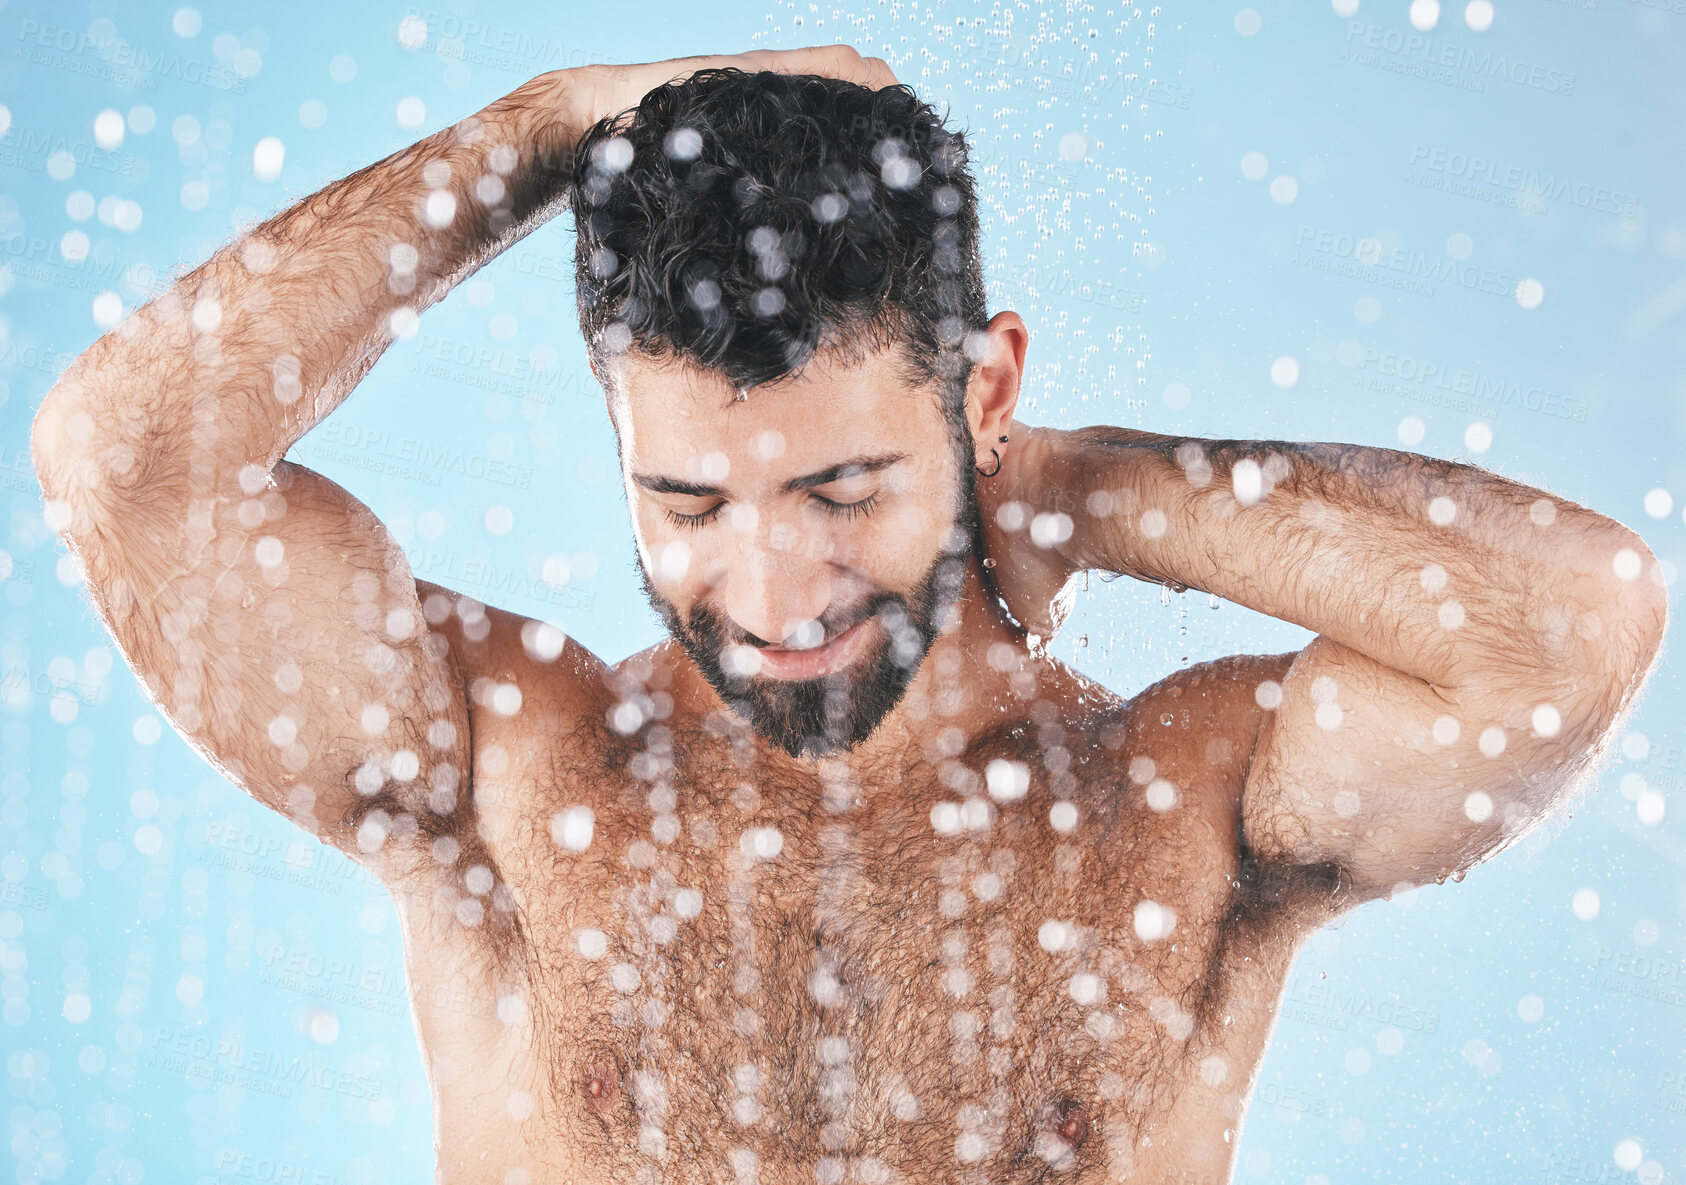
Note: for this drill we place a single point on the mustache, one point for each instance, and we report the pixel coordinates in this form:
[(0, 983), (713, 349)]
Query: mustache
[(718, 628)]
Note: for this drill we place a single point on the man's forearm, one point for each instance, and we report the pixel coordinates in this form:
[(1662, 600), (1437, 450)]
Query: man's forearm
[(1440, 570), (273, 331)]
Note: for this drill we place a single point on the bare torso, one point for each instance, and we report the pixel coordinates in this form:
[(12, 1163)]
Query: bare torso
[(763, 972)]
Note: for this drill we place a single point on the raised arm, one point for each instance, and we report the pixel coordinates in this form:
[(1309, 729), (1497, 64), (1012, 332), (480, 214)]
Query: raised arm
[(1478, 640), (271, 616)]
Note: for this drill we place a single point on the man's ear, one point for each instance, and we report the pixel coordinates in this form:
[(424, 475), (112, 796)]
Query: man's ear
[(992, 391)]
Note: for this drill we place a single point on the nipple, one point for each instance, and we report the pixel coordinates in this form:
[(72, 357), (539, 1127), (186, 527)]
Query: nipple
[(1069, 1120), (601, 1086)]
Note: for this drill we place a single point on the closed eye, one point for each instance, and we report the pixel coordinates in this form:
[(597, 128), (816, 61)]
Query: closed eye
[(693, 521), (849, 510)]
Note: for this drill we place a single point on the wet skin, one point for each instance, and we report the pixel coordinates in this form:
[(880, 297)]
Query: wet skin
[(1072, 972), (965, 1040)]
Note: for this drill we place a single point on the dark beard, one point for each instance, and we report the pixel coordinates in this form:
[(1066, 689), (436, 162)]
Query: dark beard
[(834, 712)]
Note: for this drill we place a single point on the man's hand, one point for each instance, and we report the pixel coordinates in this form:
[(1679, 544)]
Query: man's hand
[(1027, 511), (613, 89)]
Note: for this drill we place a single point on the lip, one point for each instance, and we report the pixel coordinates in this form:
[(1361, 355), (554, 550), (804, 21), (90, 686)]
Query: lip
[(810, 664)]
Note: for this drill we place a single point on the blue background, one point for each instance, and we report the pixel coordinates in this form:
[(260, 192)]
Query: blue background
[(193, 991)]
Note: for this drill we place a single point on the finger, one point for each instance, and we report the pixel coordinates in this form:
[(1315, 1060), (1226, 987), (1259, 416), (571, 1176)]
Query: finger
[(880, 73), (832, 61), (835, 61)]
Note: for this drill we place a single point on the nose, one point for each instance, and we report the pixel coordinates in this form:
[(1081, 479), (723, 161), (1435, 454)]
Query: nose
[(777, 594)]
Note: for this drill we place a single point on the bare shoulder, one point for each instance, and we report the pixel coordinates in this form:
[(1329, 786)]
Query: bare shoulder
[(514, 667), (537, 700), (1203, 721), (530, 692), (1186, 743)]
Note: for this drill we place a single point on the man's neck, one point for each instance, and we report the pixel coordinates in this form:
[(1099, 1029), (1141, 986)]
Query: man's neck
[(974, 624)]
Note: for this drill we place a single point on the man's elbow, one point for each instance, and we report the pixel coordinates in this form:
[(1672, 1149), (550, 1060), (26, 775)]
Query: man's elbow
[(81, 464), (1640, 613), (1622, 642), (48, 417), (59, 433)]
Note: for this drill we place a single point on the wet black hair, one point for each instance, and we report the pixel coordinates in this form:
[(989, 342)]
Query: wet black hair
[(745, 221)]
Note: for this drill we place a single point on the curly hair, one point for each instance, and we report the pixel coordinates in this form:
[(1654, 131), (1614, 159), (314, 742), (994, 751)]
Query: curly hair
[(744, 222)]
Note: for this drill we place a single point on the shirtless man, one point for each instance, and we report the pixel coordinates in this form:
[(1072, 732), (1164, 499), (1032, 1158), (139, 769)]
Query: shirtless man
[(847, 881)]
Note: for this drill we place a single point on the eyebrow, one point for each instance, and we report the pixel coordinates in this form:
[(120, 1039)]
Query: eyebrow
[(659, 484)]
